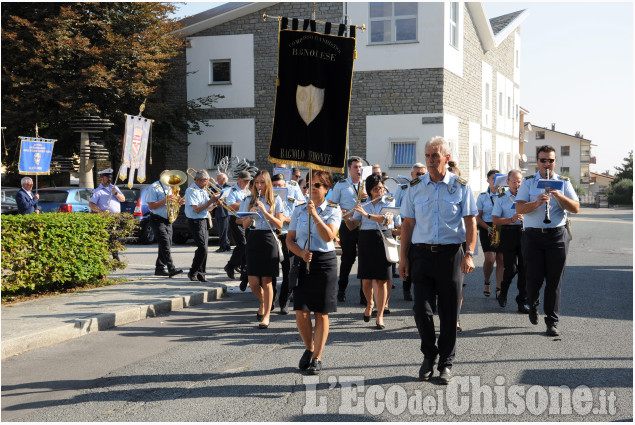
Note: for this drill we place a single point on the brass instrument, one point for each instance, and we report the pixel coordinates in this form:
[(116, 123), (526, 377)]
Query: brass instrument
[(495, 238), (211, 188), (174, 179)]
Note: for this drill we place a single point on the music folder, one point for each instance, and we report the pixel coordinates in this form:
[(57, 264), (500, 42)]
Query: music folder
[(550, 184)]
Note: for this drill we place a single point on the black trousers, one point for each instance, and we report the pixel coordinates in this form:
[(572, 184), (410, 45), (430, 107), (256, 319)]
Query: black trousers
[(238, 234), (223, 228), (348, 241), (163, 230), (513, 261), (285, 291), (545, 256), (200, 234), (437, 274)]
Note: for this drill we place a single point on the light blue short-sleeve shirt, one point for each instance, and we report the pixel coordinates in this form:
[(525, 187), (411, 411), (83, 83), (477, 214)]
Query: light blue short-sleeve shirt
[(236, 194), (260, 223), (438, 209), (194, 195), (505, 207), (295, 191), (529, 192), (485, 203), (102, 197), (345, 194), (330, 214), (156, 194), (367, 223)]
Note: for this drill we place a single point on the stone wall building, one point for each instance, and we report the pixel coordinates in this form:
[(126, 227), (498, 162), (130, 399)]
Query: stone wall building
[(422, 70)]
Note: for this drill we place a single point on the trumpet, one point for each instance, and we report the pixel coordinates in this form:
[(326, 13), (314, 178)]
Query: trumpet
[(209, 189), (174, 179)]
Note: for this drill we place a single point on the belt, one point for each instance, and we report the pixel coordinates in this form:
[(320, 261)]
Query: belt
[(512, 227), (544, 229), (437, 248)]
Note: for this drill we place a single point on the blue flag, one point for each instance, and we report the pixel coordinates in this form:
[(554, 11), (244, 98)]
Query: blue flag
[(35, 155)]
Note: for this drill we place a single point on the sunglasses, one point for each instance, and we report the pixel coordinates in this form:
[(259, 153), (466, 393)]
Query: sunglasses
[(549, 160), (318, 185), (420, 174)]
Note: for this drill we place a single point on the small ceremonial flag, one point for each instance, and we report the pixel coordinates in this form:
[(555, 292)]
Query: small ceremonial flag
[(135, 144), (35, 155)]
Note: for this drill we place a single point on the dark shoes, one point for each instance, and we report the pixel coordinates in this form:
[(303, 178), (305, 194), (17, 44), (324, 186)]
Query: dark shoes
[(446, 376), (305, 360), (502, 298), (533, 314), (161, 273), (201, 278), (341, 296), (284, 310), (522, 308), (263, 326), (175, 272), (230, 271), (379, 327), (366, 318), (243, 285), (426, 369), (315, 367), (259, 317), (552, 330), (192, 277)]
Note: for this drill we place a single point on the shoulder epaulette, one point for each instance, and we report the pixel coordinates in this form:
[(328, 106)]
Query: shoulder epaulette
[(461, 180), (290, 199), (233, 188), (414, 181), (530, 177), (404, 186), (333, 204), (566, 179), (249, 196), (301, 203), (500, 195), (389, 198), (293, 183), (482, 193)]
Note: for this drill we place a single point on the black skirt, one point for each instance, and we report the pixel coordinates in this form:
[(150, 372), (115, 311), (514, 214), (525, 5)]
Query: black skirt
[(372, 256), (485, 240), (317, 291), (261, 252)]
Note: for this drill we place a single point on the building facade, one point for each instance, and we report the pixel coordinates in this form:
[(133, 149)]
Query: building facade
[(422, 70)]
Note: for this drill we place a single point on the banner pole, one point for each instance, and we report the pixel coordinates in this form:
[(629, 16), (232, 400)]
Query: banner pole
[(308, 243)]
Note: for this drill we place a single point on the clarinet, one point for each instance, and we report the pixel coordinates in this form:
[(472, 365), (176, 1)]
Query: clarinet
[(547, 219)]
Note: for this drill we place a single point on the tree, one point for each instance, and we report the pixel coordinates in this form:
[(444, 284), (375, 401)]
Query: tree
[(62, 60), (626, 170)]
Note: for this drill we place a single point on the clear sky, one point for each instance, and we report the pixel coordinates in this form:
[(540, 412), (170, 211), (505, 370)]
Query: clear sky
[(576, 70)]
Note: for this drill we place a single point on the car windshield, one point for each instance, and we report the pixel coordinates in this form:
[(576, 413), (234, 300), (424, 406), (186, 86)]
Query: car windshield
[(53, 196), (8, 195), (131, 195)]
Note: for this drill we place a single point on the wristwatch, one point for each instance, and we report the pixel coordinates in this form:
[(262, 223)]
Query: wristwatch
[(471, 253)]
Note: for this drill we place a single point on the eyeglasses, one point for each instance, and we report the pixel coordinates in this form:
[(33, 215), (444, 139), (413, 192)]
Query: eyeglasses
[(318, 185), (304, 187), (550, 160), (420, 174)]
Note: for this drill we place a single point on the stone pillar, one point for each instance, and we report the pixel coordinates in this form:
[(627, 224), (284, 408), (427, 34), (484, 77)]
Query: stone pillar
[(85, 164)]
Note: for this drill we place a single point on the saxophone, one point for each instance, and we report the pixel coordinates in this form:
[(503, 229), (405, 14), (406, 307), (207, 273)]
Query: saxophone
[(495, 238)]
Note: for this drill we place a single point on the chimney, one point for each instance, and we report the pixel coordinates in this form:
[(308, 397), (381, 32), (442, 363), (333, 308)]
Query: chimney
[(553, 126)]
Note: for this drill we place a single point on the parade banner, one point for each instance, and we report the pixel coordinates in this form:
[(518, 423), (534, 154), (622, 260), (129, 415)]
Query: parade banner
[(135, 144), (315, 74), (35, 155)]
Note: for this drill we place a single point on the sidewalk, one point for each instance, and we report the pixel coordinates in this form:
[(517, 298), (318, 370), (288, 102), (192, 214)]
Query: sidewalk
[(47, 321)]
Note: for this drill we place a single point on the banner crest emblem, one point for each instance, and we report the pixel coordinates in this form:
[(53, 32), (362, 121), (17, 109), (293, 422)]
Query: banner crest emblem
[(309, 100)]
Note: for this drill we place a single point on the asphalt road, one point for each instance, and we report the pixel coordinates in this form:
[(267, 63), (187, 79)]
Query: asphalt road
[(211, 363)]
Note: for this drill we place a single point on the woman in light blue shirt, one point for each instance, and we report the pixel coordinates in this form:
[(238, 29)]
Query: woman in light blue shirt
[(373, 269), (262, 246), (312, 230)]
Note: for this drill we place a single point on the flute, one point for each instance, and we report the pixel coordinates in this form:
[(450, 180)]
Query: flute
[(547, 219), (363, 205)]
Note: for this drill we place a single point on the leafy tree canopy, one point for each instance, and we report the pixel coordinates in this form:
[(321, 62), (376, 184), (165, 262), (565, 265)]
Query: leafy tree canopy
[(62, 60), (626, 170)]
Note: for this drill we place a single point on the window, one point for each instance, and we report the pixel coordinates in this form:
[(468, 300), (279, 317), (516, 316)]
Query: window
[(218, 152), (500, 103), (403, 153), (476, 157), (517, 60), (509, 107), (220, 71), (393, 22), (564, 170), (454, 27), (487, 96), (540, 135), (564, 150), (488, 159)]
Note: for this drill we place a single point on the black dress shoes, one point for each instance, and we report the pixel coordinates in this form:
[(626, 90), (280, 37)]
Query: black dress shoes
[(230, 271), (552, 330), (220, 250), (161, 273), (259, 317), (533, 314), (315, 367), (201, 278), (502, 298), (243, 285), (426, 369), (192, 277), (305, 360), (263, 326), (366, 318), (379, 327), (522, 308), (175, 272), (446, 376)]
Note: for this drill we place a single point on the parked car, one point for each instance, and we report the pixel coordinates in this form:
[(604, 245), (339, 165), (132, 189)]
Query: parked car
[(181, 228), (9, 205), (64, 199), (136, 204)]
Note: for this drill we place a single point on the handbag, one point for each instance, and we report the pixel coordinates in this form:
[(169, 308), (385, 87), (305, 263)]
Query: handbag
[(391, 247), (280, 253)]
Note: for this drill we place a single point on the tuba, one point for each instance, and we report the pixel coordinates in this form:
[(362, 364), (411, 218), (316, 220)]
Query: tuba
[(174, 179), (495, 239)]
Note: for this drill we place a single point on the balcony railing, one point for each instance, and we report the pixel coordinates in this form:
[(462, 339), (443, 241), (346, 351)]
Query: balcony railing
[(593, 159)]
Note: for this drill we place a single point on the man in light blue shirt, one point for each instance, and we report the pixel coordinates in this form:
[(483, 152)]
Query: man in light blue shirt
[(438, 212), (198, 203), (504, 216), (106, 197), (236, 262), (545, 245)]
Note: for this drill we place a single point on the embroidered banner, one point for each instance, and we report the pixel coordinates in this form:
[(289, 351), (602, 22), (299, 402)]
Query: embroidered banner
[(35, 155), (315, 76), (135, 144)]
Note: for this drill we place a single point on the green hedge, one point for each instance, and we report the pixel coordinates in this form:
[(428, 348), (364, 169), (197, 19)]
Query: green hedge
[(41, 251)]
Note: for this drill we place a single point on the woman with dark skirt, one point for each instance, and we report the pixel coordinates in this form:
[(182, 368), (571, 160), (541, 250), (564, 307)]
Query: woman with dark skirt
[(374, 269), (485, 205), (261, 249), (316, 290)]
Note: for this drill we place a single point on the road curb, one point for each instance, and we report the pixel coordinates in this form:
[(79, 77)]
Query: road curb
[(82, 327)]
